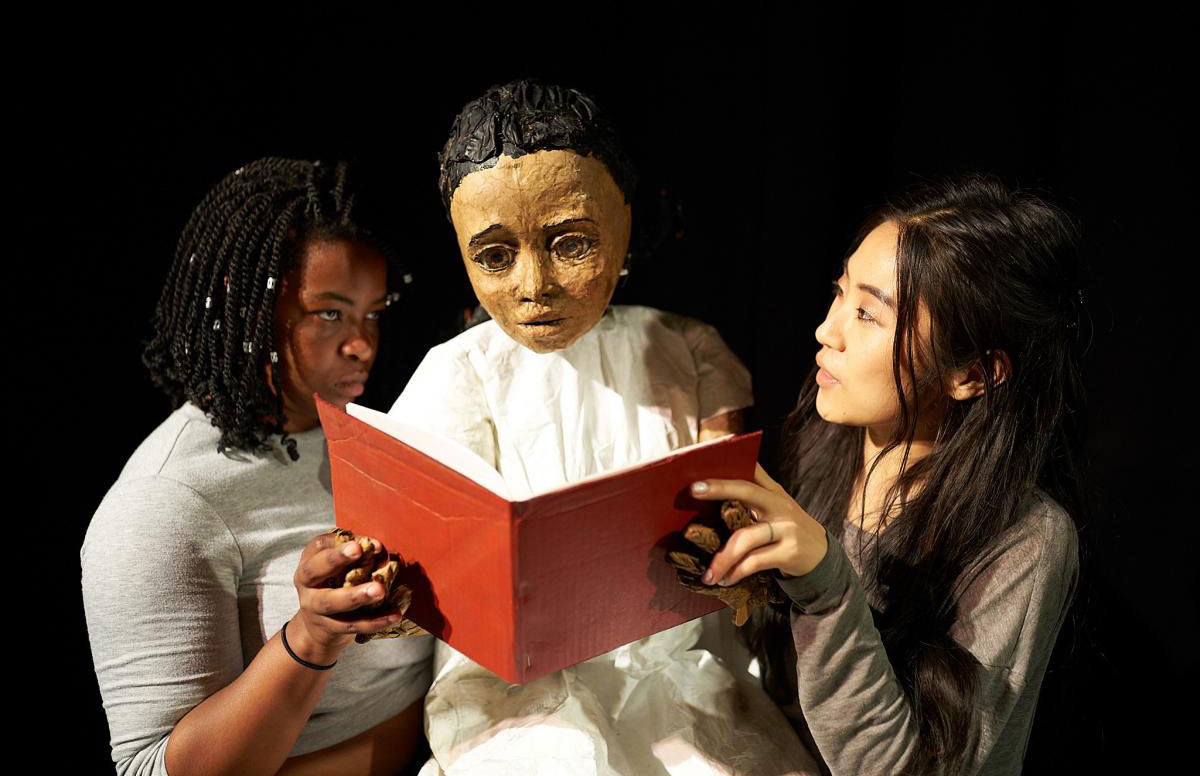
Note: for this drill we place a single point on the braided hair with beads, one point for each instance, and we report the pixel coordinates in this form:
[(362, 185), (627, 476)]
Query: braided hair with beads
[(214, 338)]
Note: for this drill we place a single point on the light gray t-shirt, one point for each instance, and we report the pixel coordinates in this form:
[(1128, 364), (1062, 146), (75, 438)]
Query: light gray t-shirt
[(188, 570), (850, 706)]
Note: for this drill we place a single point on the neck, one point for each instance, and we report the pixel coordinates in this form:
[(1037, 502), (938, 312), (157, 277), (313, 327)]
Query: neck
[(887, 467)]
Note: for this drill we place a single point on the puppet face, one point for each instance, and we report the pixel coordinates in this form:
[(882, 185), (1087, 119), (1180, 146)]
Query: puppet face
[(856, 386), (543, 237), (327, 326)]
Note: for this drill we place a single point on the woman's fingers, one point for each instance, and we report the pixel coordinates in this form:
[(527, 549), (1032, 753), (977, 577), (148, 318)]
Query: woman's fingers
[(376, 622), (723, 490), (759, 559), (743, 542), (324, 560), (762, 479), (330, 601)]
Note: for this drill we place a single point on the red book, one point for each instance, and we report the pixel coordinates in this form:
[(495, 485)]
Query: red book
[(531, 586)]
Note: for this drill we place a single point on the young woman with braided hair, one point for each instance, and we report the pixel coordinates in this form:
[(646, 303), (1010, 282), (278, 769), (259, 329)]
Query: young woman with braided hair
[(203, 568), (928, 539)]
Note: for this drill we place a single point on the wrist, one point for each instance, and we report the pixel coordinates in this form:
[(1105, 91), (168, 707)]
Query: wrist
[(813, 551), (306, 646)]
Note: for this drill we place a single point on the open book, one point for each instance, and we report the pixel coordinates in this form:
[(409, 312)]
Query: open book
[(524, 587)]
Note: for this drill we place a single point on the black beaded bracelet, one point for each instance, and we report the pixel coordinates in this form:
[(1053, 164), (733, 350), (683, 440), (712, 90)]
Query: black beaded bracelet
[(297, 658)]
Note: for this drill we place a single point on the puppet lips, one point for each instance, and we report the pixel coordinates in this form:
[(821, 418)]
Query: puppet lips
[(547, 321)]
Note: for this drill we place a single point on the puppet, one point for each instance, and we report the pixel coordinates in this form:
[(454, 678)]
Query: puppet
[(558, 385)]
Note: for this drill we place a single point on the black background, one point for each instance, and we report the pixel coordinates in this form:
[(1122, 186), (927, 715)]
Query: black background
[(774, 128)]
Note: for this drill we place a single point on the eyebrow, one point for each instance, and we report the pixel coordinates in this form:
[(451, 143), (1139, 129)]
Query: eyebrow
[(569, 222), (874, 291), (486, 233), (879, 294), (334, 296)]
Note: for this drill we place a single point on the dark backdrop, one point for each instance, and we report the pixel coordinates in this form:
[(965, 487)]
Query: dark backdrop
[(763, 134)]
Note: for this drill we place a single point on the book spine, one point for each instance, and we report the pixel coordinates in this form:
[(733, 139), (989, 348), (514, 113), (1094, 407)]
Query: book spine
[(522, 660)]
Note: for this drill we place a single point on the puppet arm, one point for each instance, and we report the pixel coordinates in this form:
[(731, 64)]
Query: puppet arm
[(732, 422)]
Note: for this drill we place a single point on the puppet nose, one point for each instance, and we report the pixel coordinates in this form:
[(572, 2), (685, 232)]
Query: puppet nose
[(534, 279)]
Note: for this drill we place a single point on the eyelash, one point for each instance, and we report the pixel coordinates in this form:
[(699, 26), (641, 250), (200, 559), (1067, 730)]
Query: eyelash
[(589, 245), (373, 315), (863, 315), (478, 258)]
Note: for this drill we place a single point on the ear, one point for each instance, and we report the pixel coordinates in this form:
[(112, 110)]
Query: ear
[(967, 383)]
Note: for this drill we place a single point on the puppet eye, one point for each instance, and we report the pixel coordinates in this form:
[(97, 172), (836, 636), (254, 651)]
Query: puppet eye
[(494, 258), (572, 247)]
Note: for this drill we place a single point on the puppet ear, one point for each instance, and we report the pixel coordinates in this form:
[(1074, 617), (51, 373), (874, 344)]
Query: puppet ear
[(968, 383)]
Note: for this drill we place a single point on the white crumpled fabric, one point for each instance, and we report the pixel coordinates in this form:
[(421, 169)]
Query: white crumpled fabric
[(636, 386), (652, 707)]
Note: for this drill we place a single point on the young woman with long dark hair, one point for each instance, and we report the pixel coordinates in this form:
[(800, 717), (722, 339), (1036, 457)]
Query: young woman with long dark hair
[(928, 537)]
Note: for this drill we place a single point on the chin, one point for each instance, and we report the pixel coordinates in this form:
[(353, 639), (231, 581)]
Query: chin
[(338, 401), (823, 408), (545, 344), (829, 413)]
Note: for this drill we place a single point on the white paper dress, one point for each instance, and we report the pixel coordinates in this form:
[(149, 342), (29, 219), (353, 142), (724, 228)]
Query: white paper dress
[(636, 386)]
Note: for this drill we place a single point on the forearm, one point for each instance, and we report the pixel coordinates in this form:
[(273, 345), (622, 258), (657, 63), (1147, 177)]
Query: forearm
[(384, 749), (854, 706), (250, 725)]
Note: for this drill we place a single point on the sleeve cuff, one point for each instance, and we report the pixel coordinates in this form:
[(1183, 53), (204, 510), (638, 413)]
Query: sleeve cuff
[(824, 587)]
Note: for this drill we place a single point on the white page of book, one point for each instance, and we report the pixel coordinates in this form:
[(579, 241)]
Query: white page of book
[(445, 451), (466, 462)]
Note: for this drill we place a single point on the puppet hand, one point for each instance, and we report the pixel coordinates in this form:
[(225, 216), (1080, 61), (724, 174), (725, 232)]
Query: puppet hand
[(346, 587), (703, 540), (782, 536), (376, 565)]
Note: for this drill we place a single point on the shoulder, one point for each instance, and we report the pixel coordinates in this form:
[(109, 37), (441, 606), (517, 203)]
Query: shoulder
[(462, 355), (452, 375), (162, 499), (1046, 530), (180, 437), (1017, 595), (662, 327), (1040, 544), (154, 523), (638, 316)]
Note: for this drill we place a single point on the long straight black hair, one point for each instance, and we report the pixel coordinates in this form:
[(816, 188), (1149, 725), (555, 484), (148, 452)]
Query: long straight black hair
[(996, 269)]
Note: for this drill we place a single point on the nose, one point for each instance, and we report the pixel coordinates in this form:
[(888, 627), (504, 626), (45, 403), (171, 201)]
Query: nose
[(534, 277), (829, 333), (360, 345)]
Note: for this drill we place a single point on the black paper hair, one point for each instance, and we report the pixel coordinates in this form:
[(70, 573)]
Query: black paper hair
[(525, 116)]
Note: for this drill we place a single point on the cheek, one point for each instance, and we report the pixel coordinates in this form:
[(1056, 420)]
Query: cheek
[(305, 348), (494, 293), (592, 283)]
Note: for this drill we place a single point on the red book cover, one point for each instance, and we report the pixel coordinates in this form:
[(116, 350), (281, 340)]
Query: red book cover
[(529, 587)]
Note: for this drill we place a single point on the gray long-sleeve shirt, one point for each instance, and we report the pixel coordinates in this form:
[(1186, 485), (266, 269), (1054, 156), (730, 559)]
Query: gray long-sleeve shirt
[(850, 706), (187, 572)]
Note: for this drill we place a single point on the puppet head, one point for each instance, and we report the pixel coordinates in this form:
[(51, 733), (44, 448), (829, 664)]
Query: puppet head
[(538, 189)]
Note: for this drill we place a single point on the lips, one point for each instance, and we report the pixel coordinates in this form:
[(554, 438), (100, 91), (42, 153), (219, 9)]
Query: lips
[(352, 385), (825, 378), (549, 319)]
